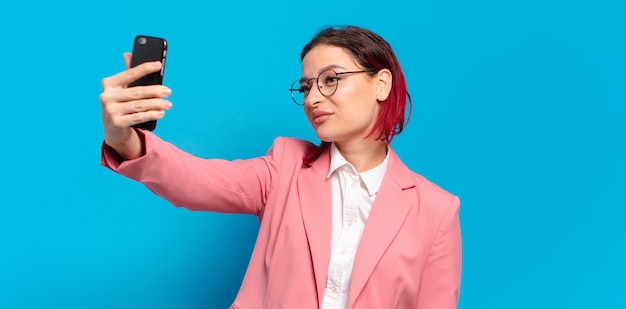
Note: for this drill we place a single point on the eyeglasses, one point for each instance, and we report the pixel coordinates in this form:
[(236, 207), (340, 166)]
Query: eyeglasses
[(327, 82)]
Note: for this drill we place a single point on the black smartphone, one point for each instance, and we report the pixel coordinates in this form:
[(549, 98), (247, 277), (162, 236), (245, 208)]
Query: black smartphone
[(148, 49)]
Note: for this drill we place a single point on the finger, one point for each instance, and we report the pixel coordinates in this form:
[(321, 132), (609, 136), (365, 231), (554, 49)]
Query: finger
[(127, 58), (124, 121), (118, 95), (131, 75), (139, 106)]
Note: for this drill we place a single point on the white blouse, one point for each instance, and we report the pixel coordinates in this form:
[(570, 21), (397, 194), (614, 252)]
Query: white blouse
[(353, 194)]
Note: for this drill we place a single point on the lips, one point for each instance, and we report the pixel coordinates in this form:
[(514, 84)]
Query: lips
[(319, 116)]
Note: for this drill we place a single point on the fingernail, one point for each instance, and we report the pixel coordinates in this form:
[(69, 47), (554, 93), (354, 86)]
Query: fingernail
[(167, 105), (160, 113), (167, 91), (156, 64)]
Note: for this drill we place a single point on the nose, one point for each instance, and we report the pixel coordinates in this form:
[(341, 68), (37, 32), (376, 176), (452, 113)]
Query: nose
[(314, 96)]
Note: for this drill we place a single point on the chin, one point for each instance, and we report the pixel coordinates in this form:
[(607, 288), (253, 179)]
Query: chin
[(325, 137)]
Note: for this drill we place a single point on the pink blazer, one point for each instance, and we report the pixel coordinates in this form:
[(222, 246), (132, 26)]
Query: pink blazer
[(409, 255)]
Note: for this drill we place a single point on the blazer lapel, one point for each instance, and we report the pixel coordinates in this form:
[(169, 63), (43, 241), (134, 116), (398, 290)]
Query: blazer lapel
[(388, 213), (314, 191)]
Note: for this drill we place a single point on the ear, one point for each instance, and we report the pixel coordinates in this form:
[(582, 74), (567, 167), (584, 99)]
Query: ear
[(384, 80)]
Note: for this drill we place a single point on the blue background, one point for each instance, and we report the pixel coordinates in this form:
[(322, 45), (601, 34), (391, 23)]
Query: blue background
[(519, 109)]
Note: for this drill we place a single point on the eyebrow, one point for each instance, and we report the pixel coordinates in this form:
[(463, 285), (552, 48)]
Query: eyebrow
[(332, 66)]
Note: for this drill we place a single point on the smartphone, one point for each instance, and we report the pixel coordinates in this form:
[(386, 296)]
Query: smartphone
[(148, 49)]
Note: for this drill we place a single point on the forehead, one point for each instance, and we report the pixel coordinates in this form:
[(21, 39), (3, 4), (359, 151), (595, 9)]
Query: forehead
[(324, 56)]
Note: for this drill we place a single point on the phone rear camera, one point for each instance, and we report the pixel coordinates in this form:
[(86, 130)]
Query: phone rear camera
[(142, 40)]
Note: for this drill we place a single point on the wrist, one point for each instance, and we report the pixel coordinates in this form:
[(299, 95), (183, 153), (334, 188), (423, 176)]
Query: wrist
[(130, 147)]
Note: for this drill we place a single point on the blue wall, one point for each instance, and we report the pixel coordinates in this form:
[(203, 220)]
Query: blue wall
[(519, 108)]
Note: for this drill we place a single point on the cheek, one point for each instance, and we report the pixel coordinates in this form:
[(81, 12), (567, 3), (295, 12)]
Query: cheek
[(307, 112), (358, 101), (359, 91)]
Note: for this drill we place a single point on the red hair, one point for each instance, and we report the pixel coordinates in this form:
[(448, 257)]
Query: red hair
[(373, 53)]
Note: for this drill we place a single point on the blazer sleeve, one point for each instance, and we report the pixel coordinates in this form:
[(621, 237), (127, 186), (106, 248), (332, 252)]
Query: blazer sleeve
[(441, 277), (239, 186)]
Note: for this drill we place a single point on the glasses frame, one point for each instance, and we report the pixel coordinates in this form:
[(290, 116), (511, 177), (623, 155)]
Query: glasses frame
[(316, 79)]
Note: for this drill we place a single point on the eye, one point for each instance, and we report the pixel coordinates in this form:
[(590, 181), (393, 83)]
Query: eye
[(331, 80), (304, 88)]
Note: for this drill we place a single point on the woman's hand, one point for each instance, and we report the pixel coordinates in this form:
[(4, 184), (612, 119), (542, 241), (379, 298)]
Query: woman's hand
[(124, 107)]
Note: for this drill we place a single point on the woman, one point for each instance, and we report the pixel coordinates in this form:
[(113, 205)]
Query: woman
[(342, 225)]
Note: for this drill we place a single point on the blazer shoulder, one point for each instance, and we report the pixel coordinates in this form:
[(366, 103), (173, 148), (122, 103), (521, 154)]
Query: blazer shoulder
[(290, 149), (292, 146), (434, 197)]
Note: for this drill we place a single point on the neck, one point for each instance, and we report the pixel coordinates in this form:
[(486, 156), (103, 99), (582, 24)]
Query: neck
[(365, 154)]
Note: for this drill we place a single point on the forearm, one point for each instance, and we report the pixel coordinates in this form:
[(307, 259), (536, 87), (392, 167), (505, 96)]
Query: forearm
[(192, 182)]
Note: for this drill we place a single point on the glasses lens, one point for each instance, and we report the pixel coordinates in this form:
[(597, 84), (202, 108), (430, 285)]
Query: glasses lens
[(297, 90), (327, 82)]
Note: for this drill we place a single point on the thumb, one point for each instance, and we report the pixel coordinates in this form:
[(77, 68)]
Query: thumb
[(127, 57)]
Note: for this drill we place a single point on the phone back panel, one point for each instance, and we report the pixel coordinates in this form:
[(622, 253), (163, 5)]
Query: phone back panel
[(148, 49)]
